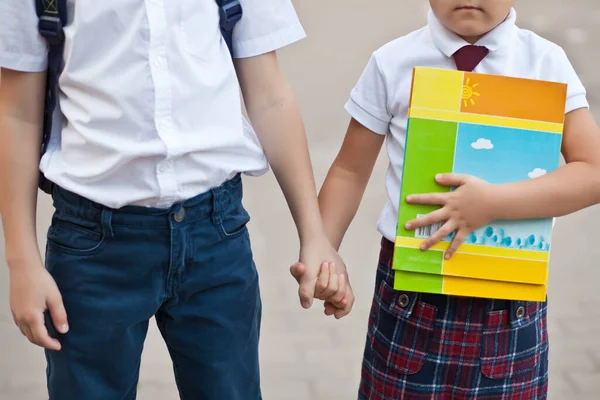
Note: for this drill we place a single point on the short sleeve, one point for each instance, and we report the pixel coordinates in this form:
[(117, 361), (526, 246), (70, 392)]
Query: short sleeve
[(368, 103), (558, 68), (267, 25), (21, 46)]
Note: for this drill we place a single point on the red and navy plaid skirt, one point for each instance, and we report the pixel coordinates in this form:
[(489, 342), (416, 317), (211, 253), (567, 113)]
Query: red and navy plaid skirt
[(435, 347)]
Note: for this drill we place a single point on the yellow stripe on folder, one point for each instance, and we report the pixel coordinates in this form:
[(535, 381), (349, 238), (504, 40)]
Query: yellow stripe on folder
[(479, 250), (494, 290), (481, 119), (496, 269)]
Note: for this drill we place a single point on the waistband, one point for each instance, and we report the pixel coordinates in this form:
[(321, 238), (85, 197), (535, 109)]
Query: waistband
[(440, 300), (200, 207)]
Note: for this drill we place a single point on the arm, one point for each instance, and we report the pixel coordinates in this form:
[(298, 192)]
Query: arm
[(347, 179), (568, 189), (20, 129), (275, 114), (32, 289)]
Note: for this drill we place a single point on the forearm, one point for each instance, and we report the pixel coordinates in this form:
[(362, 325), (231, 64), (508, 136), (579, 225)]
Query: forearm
[(20, 137), (339, 200), (19, 157), (281, 133), (570, 188)]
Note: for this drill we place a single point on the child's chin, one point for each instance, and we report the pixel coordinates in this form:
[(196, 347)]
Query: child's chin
[(470, 29)]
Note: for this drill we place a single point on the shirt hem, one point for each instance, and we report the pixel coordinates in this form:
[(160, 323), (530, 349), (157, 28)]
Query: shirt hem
[(369, 121), (268, 43), (22, 62)]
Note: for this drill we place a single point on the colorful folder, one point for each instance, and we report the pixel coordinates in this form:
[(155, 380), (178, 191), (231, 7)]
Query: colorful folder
[(500, 129)]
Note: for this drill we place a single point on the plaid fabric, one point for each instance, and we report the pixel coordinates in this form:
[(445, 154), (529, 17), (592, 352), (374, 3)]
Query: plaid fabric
[(434, 347)]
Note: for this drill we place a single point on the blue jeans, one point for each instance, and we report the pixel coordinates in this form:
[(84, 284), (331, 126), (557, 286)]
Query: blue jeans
[(190, 266)]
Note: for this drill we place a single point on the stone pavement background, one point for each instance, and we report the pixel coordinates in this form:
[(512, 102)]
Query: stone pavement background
[(304, 355)]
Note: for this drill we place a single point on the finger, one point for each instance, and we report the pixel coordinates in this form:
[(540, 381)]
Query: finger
[(306, 292), (341, 313), (330, 309), (322, 281), (41, 337), (58, 313), (428, 219), (297, 270), (24, 329), (458, 240), (438, 199), (339, 295), (333, 284), (440, 235), (451, 179)]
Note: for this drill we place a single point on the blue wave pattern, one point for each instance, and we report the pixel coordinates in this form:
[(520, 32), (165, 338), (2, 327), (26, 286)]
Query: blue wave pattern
[(491, 236)]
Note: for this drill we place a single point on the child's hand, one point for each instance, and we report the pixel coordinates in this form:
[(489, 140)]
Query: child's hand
[(464, 210), (323, 280), (332, 287)]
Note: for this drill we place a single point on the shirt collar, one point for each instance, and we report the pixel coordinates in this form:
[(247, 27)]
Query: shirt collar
[(448, 42)]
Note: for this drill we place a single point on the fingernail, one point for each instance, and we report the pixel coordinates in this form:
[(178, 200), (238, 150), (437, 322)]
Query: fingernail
[(326, 266), (64, 328), (447, 256), (409, 198), (407, 226), (438, 177), (423, 247), (341, 277)]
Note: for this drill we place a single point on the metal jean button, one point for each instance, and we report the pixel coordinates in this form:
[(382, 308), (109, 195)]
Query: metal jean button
[(180, 215), (403, 300), (520, 313)]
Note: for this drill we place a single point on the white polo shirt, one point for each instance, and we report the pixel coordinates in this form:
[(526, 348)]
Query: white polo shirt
[(150, 108), (380, 99)]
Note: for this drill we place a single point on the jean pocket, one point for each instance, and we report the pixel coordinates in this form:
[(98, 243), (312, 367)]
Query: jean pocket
[(200, 27), (73, 236), (402, 330), (511, 348), (233, 221)]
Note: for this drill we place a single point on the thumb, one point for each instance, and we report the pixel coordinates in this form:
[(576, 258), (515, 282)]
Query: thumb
[(297, 270), (58, 313)]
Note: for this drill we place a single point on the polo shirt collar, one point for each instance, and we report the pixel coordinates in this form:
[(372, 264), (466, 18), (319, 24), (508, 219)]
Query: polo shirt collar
[(448, 42)]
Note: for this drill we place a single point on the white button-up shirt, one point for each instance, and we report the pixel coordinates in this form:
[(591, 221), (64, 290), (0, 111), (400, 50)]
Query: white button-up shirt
[(380, 99), (149, 103)]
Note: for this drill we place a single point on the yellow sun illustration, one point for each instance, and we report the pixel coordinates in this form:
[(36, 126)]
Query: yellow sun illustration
[(468, 92)]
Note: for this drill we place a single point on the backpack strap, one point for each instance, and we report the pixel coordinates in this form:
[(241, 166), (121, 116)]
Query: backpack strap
[(52, 18), (230, 12)]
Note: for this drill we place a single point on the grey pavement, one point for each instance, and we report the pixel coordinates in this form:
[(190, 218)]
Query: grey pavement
[(305, 356)]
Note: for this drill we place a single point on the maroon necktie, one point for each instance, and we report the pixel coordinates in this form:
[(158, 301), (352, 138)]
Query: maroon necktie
[(468, 57)]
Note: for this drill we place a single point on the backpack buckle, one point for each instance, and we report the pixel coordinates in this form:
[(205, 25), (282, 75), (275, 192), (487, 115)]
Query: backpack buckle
[(230, 13), (51, 29)]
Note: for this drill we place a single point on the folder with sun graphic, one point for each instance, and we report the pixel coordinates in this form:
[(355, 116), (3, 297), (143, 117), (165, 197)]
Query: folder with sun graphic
[(500, 129)]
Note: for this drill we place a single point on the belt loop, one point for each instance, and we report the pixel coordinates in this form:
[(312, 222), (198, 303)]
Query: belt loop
[(107, 222)]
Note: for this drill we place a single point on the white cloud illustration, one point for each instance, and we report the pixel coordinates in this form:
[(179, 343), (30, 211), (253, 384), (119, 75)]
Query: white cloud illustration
[(482, 144), (536, 173)]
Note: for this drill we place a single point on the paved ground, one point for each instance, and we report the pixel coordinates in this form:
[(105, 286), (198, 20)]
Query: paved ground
[(304, 355)]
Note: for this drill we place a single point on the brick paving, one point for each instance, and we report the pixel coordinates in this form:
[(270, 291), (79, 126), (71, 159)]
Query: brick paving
[(304, 355)]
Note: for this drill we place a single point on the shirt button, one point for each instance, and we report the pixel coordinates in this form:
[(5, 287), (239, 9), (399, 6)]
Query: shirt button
[(159, 61), (180, 215), (520, 313), (403, 300)]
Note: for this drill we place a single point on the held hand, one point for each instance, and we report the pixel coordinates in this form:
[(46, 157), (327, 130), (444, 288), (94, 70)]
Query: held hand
[(32, 292), (323, 280), (467, 208)]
